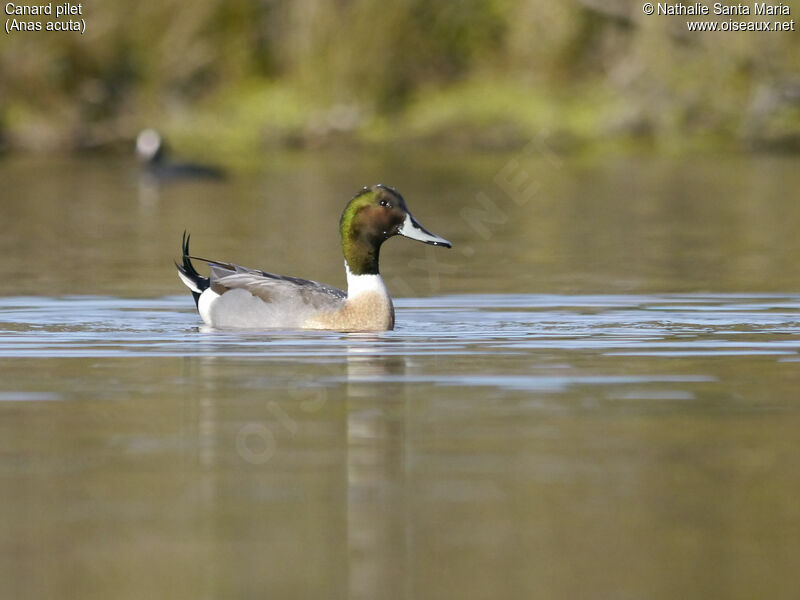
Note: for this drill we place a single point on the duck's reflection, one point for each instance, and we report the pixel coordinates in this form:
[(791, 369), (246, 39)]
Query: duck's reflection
[(377, 519), (372, 444), (149, 193)]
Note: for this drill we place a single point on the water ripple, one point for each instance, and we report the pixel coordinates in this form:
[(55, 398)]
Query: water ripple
[(619, 325)]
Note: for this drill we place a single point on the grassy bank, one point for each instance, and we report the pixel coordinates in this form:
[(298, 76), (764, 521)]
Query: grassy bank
[(237, 77)]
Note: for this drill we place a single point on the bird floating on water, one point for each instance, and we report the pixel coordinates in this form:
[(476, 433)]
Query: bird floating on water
[(238, 297), (154, 156)]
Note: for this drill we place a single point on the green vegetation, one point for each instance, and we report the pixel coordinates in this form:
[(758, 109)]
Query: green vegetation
[(485, 74)]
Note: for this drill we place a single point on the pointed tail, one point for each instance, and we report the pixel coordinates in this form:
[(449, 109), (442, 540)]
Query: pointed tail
[(188, 274)]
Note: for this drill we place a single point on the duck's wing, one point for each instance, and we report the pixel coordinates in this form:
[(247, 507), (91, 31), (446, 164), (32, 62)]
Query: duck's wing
[(273, 288)]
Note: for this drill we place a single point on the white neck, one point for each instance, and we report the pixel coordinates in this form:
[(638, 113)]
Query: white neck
[(360, 284)]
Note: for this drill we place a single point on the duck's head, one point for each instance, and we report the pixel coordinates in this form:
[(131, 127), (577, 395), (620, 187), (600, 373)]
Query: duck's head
[(374, 215), (149, 146)]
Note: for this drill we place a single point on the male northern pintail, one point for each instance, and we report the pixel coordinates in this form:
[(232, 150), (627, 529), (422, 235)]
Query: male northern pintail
[(154, 156), (237, 297)]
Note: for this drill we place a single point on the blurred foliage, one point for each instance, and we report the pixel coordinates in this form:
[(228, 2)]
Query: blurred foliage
[(249, 74)]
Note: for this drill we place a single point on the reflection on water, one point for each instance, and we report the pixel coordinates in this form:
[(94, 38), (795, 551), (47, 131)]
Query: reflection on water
[(377, 518), (546, 421)]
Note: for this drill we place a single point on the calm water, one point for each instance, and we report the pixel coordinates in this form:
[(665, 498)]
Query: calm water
[(593, 395)]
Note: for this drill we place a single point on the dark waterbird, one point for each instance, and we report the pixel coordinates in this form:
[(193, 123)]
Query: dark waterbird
[(156, 163)]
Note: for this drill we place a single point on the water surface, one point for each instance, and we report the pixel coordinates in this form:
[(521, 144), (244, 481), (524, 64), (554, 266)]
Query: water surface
[(594, 396)]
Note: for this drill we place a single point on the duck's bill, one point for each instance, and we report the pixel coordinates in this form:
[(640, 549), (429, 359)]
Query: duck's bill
[(411, 229)]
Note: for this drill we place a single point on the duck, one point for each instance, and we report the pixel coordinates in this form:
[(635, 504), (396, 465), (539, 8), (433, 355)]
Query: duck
[(153, 154), (236, 297)]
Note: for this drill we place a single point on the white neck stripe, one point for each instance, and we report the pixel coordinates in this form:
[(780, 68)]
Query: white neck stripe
[(360, 284)]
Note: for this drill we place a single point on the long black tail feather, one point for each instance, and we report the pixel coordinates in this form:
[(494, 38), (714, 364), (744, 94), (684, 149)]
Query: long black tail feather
[(187, 269)]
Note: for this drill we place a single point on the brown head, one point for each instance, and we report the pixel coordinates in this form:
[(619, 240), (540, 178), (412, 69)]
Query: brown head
[(374, 215)]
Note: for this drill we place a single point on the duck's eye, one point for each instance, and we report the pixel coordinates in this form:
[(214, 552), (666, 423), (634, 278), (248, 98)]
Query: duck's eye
[(386, 203)]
